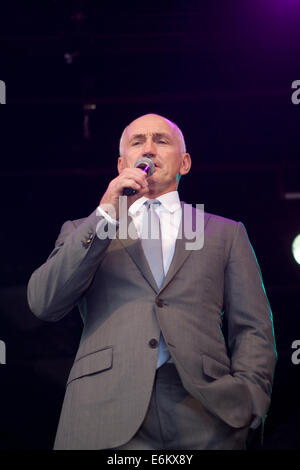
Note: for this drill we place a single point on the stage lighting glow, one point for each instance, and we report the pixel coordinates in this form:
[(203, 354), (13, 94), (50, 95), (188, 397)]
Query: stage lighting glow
[(296, 248)]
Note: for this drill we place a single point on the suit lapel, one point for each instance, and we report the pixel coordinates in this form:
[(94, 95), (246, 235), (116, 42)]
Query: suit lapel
[(181, 254), (134, 248)]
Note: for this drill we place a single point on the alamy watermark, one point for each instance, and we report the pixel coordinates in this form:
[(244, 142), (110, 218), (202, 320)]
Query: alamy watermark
[(2, 352), (2, 92), (296, 354), (191, 228), (296, 94)]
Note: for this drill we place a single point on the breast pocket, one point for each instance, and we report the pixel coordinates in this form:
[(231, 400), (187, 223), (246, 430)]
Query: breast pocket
[(92, 363)]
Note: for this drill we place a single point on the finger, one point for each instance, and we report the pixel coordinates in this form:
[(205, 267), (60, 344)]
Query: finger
[(134, 178), (136, 173), (131, 183)]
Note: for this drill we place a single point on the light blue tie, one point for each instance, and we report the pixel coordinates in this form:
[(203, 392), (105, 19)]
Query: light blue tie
[(152, 246)]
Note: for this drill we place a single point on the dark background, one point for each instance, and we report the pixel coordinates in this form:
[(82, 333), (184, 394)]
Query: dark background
[(77, 72)]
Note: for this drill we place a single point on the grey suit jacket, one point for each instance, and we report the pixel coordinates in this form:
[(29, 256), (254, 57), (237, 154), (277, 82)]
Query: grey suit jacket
[(110, 383)]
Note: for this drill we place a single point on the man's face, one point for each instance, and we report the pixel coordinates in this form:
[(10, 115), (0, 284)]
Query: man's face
[(153, 136)]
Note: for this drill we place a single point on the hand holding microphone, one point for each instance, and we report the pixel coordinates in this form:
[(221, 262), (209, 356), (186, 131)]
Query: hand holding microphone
[(145, 164), (130, 182)]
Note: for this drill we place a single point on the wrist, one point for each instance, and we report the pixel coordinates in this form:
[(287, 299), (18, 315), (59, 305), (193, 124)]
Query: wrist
[(106, 211)]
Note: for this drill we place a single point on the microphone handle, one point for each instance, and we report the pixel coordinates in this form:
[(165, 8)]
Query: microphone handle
[(129, 192)]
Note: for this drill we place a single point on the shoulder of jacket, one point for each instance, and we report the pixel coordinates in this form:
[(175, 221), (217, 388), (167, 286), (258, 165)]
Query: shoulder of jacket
[(214, 218), (221, 220)]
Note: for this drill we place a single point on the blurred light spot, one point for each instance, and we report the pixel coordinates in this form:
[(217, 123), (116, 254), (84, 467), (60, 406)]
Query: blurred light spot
[(296, 248)]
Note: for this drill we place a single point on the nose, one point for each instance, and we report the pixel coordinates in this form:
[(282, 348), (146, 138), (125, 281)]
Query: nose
[(149, 148)]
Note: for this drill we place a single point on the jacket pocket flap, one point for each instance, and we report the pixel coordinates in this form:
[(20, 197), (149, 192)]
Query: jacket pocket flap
[(92, 363), (213, 368)]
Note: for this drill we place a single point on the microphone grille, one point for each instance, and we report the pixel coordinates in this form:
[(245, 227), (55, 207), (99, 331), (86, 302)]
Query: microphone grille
[(143, 162)]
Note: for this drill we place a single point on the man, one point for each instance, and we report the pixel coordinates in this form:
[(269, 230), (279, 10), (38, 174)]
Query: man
[(153, 370)]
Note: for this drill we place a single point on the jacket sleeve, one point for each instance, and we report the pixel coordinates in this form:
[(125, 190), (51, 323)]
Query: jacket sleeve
[(56, 286), (250, 326)]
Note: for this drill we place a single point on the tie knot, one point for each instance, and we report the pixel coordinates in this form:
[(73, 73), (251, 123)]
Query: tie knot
[(152, 203)]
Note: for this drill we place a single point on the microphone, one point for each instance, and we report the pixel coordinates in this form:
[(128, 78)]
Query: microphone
[(145, 164)]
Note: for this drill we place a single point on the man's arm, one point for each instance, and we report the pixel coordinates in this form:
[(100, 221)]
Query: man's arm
[(56, 286), (250, 327)]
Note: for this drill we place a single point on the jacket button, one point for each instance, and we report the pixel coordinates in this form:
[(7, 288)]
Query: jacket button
[(153, 343), (159, 302)]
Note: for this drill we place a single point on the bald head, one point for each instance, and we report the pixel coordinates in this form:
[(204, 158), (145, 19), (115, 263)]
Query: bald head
[(143, 119)]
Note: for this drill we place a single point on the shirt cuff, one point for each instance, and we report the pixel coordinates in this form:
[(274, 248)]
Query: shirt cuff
[(101, 212)]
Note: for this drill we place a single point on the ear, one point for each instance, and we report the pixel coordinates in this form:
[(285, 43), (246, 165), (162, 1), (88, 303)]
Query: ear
[(186, 163), (120, 164)]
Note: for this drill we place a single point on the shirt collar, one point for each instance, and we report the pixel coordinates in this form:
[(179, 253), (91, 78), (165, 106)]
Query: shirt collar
[(170, 201)]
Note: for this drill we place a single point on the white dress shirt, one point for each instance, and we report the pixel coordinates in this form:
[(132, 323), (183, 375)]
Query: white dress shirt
[(169, 212)]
